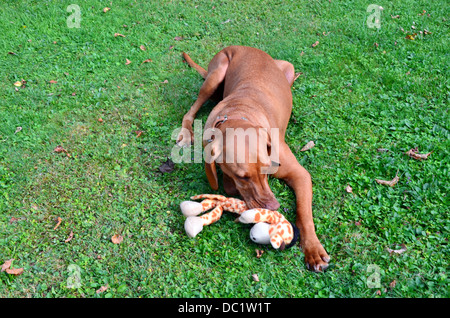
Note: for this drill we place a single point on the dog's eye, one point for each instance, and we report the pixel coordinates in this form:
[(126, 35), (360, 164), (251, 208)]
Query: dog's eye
[(243, 177)]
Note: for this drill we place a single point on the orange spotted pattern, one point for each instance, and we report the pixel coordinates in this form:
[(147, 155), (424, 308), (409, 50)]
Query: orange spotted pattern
[(280, 230), (220, 204)]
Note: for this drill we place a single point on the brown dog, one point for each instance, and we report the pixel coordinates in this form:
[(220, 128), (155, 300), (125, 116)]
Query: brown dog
[(256, 94)]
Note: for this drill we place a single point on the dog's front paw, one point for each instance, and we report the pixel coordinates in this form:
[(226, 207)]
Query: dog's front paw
[(185, 138), (316, 257)]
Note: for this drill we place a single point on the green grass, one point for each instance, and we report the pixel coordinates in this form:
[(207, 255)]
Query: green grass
[(353, 97)]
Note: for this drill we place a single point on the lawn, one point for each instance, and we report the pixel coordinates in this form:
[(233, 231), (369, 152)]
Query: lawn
[(374, 85)]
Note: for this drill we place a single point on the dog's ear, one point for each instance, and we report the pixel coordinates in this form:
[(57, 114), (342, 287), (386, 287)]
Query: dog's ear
[(266, 145), (271, 157), (211, 174), (212, 152)]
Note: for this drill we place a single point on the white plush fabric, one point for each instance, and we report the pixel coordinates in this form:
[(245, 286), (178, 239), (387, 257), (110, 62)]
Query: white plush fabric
[(193, 225), (248, 216), (190, 208), (259, 233)]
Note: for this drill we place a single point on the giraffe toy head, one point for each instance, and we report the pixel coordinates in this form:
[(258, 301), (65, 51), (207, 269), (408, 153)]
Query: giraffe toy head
[(271, 228)]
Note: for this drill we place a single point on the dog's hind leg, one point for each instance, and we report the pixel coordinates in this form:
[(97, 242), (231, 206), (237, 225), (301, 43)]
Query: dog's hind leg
[(288, 70)]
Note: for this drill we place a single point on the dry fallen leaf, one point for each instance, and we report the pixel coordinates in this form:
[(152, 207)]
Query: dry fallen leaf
[(13, 219), (52, 82), (419, 156), (18, 84), (255, 277), (142, 48), (399, 251), (167, 166), (14, 271), (178, 38), (349, 189), (117, 239), (106, 9), (410, 36), (395, 16), (69, 238), (296, 75), (57, 224), (392, 284), (6, 264), (128, 62), (315, 44), (308, 146), (118, 34), (259, 253), (147, 61), (390, 183), (59, 149), (102, 289)]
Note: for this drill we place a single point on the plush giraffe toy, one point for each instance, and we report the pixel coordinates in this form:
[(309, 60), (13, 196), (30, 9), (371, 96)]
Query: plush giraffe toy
[(271, 226)]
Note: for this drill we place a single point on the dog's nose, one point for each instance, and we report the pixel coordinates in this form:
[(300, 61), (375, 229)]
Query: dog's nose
[(272, 205)]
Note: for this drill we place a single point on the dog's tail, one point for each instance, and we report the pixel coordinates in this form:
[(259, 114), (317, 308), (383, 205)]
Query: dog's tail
[(194, 65)]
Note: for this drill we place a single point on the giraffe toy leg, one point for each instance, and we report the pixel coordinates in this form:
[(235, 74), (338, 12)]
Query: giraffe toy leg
[(216, 197), (277, 242), (194, 224), (213, 216), (190, 208)]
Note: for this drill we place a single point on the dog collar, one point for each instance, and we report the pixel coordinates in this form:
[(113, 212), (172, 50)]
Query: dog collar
[(221, 119)]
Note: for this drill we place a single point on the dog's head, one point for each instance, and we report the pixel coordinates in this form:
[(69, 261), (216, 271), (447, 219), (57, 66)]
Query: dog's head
[(244, 155)]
